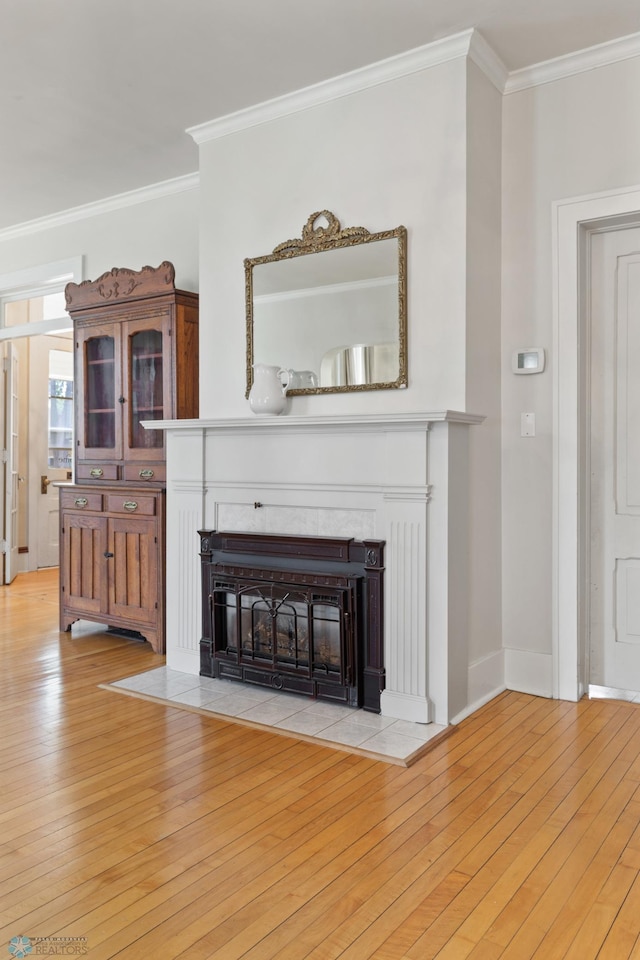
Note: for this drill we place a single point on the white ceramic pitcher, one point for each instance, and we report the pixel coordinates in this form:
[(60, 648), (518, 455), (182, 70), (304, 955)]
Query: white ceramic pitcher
[(268, 394)]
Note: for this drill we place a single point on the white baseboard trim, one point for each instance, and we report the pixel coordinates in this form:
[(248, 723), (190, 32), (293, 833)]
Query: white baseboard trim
[(187, 661), (528, 672), (486, 676), (404, 706), (472, 707)]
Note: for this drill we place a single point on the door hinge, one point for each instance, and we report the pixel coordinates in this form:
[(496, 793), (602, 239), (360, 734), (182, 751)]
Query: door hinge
[(4, 546), (5, 456), (5, 364)]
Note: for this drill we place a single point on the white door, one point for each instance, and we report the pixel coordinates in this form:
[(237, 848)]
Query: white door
[(10, 458), (615, 460), (51, 361)]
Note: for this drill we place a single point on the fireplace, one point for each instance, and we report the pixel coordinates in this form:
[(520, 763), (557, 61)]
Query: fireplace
[(299, 614)]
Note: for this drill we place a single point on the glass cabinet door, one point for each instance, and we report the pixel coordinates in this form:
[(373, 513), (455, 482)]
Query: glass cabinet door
[(146, 387), (149, 384), (99, 428)]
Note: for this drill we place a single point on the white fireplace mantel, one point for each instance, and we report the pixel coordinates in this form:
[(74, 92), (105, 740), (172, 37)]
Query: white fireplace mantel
[(399, 478), (283, 424)]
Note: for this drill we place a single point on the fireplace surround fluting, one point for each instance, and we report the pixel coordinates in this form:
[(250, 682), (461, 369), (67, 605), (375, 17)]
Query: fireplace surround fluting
[(299, 614)]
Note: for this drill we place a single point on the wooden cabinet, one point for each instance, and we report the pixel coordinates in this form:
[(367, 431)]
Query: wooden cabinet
[(111, 566), (136, 359)]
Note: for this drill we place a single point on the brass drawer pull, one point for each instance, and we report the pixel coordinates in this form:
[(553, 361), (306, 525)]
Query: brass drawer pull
[(97, 472), (81, 501), (130, 505), (147, 474)]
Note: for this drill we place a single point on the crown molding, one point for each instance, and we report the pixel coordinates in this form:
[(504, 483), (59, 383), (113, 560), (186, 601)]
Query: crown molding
[(393, 68), (485, 57), (469, 43), (154, 191), (601, 55)]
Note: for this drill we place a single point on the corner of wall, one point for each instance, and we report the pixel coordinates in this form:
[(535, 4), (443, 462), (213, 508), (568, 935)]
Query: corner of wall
[(528, 672)]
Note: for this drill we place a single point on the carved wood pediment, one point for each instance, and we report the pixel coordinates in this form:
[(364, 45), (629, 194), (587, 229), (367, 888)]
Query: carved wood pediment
[(120, 285)]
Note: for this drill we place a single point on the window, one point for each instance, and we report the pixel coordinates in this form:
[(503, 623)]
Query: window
[(60, 410), (32, 300), (36, 309)]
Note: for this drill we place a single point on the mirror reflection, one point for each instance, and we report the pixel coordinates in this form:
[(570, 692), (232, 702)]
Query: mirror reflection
[(330, 309)]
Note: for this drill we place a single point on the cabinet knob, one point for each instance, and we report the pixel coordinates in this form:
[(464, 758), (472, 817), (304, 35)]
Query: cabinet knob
[(121, 400), (146, 474), (97, 472), (81, 501), (130, 505), (107, 554)]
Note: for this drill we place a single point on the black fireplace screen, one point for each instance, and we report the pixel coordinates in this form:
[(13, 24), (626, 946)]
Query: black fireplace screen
[(300, 614), (290, 630)]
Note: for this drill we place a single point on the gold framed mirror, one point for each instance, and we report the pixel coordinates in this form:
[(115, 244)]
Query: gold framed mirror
[(330, 308)]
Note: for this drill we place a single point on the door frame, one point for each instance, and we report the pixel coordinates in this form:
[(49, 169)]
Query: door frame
[(10, 483), (34, 282), (37, 379), (574, 221)]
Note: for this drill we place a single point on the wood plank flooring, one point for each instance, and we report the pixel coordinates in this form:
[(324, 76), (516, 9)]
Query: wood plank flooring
[(153, 832)]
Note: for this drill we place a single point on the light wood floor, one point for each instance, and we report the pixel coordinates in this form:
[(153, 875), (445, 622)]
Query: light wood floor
[(159, 833)]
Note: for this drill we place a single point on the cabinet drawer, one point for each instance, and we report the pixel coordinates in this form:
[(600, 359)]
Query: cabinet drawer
[(131, 504), (77, 500), (97, 471), (145, 473)]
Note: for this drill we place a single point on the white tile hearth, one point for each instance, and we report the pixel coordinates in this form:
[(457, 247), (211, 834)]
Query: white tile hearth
[(330, 724)]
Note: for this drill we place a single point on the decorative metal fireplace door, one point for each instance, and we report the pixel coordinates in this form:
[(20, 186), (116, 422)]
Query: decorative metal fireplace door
[(300, 614)]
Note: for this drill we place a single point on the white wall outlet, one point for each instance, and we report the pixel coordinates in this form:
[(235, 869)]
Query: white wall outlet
[(527, 424)]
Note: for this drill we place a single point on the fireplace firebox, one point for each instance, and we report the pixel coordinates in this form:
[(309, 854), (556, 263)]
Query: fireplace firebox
[(300, 614)]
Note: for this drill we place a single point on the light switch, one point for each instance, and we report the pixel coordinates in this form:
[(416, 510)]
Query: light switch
[(527, 424)]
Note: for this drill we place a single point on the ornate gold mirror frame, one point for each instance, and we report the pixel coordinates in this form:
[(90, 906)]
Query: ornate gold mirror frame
[(318, 237)]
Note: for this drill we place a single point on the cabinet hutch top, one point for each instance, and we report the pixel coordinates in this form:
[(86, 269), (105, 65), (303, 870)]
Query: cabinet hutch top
[(121, 285)]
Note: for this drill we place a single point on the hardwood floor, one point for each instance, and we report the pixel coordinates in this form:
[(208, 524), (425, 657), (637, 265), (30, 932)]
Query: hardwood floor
[(153, 832)]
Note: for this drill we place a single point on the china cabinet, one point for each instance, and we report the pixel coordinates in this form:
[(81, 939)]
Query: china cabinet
[(136, 358)]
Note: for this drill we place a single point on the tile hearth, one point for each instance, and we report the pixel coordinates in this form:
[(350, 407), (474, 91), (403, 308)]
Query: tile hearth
[(328, 724)]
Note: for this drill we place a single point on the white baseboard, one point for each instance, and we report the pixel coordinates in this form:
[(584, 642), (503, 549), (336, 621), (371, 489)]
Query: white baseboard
[(528, 672), (404, 706), (485, 681), (486, 676), (472, 707), (187, 661)]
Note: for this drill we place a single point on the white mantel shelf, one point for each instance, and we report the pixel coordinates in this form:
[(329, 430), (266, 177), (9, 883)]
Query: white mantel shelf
[(402, 421)]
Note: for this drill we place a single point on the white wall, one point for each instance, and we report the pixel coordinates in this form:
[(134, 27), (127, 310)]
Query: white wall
[(567, 138), (484, 137), (389, 155), (165, 228)]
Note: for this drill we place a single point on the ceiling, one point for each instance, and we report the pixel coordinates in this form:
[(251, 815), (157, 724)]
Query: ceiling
[(95, 96)]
